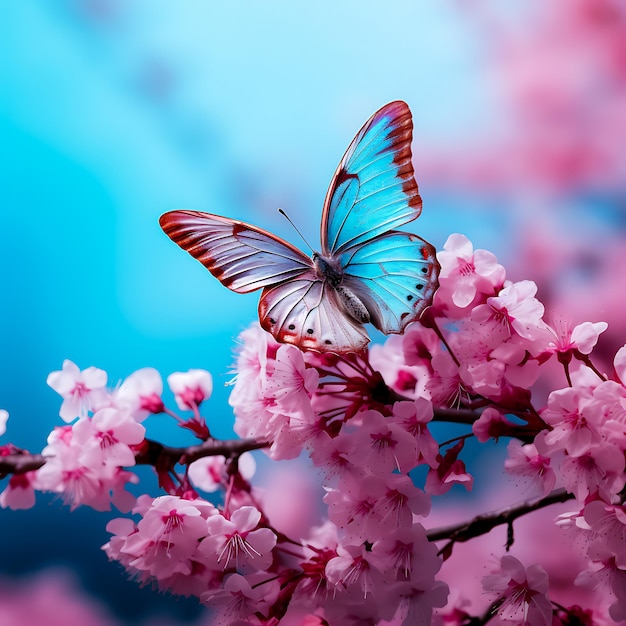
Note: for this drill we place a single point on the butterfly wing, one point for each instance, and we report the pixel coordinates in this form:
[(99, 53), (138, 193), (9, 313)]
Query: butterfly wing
[(373, 190), (395, 276), (242, 257), (296, 306), (306, 312)]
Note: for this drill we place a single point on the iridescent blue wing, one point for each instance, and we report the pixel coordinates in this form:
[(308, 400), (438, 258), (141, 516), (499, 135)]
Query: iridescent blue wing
[(242, 257), (373, 190), (395, 276)]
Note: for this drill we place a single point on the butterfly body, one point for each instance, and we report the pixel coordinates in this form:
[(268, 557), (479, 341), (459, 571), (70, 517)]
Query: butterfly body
[(367, 272)]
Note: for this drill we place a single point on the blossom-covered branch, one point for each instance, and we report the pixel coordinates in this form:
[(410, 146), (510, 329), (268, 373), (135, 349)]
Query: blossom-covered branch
[(373, 425), (150, 453)]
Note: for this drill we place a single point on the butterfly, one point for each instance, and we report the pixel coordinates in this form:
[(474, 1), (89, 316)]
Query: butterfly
[(367, 272)]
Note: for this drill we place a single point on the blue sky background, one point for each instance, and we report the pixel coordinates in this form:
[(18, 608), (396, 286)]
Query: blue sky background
[(113, 112)]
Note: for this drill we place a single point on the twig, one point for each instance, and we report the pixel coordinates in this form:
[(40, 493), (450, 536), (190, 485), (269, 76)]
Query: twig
[(482, 524)]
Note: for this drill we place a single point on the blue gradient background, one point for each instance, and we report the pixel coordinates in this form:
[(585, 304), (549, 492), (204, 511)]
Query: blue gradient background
[(112, 113)]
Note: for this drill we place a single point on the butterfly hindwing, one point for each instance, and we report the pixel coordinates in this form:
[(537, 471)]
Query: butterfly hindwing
[(395, 276), (242, 257), (306, 312), (373, 190)]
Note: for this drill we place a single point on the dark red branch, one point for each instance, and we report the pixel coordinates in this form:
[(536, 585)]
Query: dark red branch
[(482, 524), (149, 453), (154, 452), (20, 463)]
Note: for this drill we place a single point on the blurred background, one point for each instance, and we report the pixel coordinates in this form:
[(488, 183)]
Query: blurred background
[(114, 112)]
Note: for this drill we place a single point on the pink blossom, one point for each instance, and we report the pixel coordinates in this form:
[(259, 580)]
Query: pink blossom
[(63, 473), (608, 525), (419, 344), (365, 506), (581, 338), (391, 361), (523, 592), (190, 388), (291, 382), (485, 378), (140, 393), (416, 602), (252, 355), (165, 540), (516, 308), (81, 391), (238, 542), (276, 410), (290, 431), (242, 597), (603, 573), (449, 471), (209, 473), (82, 479), (617, 610), (620, 364), (355, 506), (382, 446), (319, 547), (414, 417), (491, 423), (356, 566), (607, 409), (107, 438), (573, 427), (464, 272), (20, 492), (600, 469), (520, 371), (334, 454), (445, 386), (525, 461), (402, 501), (408, 555)]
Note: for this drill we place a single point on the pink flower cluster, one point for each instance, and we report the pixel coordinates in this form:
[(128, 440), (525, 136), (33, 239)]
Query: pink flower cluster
[(371, 425), (85, 460)]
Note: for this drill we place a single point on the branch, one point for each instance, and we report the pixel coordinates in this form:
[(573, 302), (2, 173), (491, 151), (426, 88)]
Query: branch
[(150, 453), (153, 452), (482, 524), (456, 416), (20, 463)]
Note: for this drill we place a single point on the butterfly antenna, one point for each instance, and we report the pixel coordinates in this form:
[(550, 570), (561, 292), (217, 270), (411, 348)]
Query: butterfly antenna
[(296, 229)]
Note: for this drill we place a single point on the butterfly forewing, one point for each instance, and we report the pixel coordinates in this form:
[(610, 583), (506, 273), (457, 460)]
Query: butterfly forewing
[(240, 256), (307, 313), (373, 190), (395, 276)]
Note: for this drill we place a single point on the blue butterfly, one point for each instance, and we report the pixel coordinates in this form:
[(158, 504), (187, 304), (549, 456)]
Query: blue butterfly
[(367, 272)]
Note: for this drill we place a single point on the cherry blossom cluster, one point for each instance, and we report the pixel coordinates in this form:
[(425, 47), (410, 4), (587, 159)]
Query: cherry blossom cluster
[(482, 358)]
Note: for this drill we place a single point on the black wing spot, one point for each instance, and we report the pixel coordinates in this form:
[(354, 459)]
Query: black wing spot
[(419, 287), (292, 326), (309, 331), (272, 321), (424, 270), (409, 297), (328, 342)]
